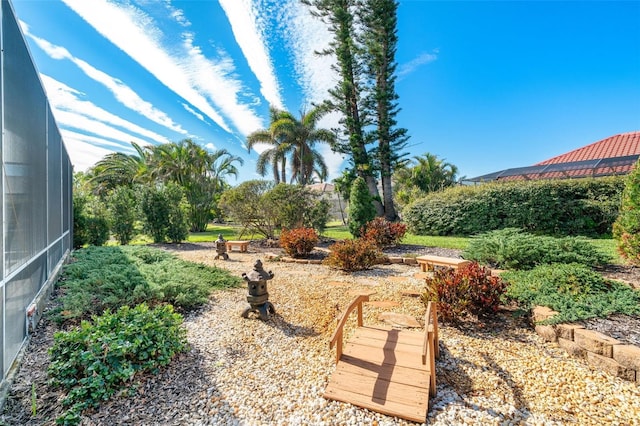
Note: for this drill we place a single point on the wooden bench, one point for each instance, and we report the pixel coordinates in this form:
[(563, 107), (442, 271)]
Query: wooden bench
[(428, 262), (386, 370), (241, 245)]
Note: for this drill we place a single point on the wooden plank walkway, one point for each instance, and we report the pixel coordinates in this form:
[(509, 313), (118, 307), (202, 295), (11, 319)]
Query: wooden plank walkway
[(385, 370)]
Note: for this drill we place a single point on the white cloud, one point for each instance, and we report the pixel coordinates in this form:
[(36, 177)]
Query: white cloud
[(306, 35), (211, 79), (86, 116), (138, 36), (123, 93), (194, 112), (82, 152), (250, 36), (417, 62)]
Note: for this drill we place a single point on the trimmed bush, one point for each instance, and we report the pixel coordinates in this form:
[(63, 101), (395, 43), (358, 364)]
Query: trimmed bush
[(467, 290), (122, 208), (361, 208), (626, 229), (514, 249), (99, 359), (383, 233), (554, 207), (573, 290), (298, 242), (353, 255)]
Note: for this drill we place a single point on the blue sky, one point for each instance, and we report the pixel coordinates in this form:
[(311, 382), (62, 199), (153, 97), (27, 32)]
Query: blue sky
[(486, 85)]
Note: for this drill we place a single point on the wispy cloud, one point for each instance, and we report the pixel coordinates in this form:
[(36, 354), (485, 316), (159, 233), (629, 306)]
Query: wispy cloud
[(83, 154), (72, 111), (194, 112), (123, 93), (251, 38), (138, 36), (307, 35), (422, 59)]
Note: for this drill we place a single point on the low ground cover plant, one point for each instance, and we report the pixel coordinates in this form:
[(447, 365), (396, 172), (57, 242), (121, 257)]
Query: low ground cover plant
[(353, 255), (101, 278), (573, 290), (298, 242), (469, 290), (101, 358), (512, 248)]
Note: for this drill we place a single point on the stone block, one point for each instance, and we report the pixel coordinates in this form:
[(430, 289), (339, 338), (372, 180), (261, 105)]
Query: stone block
[(409, 261), (627, 355), (547, 332), (610, 366), (541, 313), (566, 330), (595, 342), (394, 259), (571, 347)]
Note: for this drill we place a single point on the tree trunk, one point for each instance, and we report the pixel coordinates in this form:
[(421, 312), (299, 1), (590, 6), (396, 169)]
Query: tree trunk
[(389, 207), (373, 190)]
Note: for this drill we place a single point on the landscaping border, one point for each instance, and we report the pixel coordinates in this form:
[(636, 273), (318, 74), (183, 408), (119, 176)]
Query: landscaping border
[(599, 350)]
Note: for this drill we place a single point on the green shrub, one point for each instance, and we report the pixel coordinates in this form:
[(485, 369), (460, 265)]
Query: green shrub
[(383, 233), (514, 249), (585, 207), (573, 290), (155, 209), (468, 290), (626, 229), (103, 278), (97, 230), (361, 208), (99, 359), (298, 242), (177, 217), (352, 255), (122, 208)]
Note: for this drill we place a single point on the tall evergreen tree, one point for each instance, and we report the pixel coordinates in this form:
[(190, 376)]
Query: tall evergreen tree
[(379, 38), (346, 97)]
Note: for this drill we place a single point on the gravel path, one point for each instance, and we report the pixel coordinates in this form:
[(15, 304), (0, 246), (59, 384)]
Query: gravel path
[(249, 372)]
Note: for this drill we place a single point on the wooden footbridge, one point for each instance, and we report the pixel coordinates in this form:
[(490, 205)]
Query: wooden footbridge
[(385, 370)]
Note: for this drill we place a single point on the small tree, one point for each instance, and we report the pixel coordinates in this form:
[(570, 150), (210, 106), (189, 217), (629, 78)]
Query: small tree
[(155, 208), (626, 229), (361, 208), (122, 213), (177, 223)]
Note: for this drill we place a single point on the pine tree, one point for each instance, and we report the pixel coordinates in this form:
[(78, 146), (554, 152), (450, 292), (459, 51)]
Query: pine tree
[(626, 229), (361, 209), (380, 38)]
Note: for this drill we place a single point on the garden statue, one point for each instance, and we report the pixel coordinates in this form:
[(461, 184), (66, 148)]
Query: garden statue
[(258, 296), (221, 248)]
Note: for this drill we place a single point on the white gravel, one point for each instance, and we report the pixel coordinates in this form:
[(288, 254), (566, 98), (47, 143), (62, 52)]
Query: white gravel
[(249, 372)]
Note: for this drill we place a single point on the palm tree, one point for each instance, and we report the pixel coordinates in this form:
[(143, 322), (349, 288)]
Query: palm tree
[(199, 173), (276, 157), (120, 169), (302, 135)]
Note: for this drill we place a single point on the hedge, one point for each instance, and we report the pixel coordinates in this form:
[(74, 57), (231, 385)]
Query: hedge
[(586, 207)]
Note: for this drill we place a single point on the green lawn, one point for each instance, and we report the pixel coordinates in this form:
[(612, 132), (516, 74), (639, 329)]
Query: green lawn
[(338, 231)]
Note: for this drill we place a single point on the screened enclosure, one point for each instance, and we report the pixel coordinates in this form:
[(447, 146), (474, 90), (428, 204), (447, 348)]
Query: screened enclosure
[(36, 194)]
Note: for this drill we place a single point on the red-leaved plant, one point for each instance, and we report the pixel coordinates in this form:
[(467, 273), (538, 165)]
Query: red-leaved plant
[(298, 242), (382, 232), (469, 290), (353, 255)]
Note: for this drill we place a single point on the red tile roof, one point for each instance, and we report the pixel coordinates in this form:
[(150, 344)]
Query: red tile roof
[(615, 146)]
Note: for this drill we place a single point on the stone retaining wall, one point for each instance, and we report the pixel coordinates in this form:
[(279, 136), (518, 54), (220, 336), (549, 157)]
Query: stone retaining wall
[(599, 350)]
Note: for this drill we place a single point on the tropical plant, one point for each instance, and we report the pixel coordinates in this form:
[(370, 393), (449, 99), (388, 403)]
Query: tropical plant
[(425, 174), (296, 138), (120, 169), (201, 174), (626, 228), (276, 155), (298, 242), (353, 255)]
